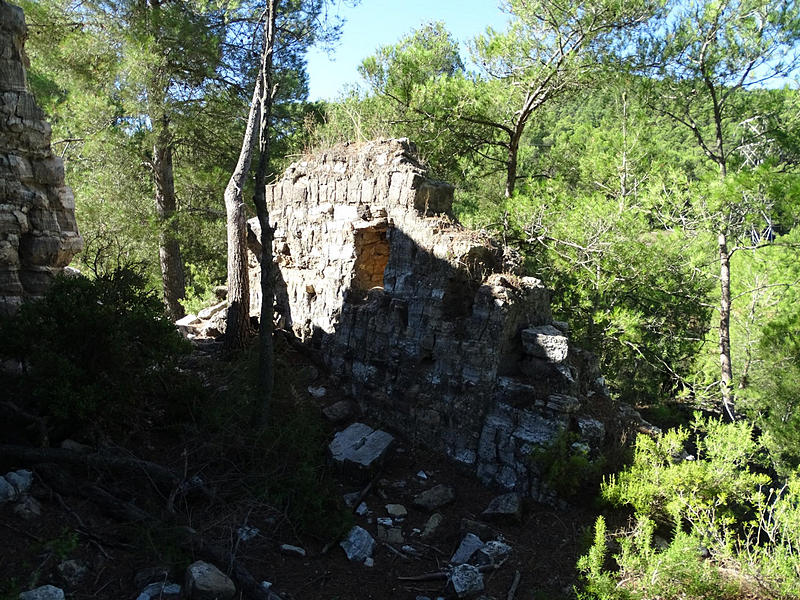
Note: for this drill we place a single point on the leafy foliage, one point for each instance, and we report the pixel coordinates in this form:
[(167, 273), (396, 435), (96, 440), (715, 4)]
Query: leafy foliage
[(715, 509), (566, 466), (93, 351)]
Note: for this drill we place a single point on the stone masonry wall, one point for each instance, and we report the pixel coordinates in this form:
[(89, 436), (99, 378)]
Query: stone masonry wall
[(412, 312), (38, 232)]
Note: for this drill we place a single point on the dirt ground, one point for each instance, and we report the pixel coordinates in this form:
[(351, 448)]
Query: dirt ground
[(545, 544)]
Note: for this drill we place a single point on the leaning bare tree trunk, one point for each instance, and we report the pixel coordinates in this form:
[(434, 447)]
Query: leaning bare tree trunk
[(726, 371), (169, 250), (237, 327), (265, 363)]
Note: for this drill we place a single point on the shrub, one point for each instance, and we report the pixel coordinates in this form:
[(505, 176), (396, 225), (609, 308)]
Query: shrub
[(567, 467), (93, 350), (728, 534)]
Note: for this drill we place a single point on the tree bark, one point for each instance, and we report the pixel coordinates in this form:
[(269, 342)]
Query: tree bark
[(237, 327), (511, 165), (169, 250), (266, 351), (726, 371)]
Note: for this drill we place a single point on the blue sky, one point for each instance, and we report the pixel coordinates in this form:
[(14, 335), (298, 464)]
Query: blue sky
[(376, 23)]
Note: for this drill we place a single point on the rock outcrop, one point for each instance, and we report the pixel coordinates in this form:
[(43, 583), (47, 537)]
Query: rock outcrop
[(413, 314), (38, 232)]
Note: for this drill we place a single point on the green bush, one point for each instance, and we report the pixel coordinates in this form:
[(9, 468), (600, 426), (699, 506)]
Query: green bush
[(566, 466), (284, 464), (94, 351), (727, 533)]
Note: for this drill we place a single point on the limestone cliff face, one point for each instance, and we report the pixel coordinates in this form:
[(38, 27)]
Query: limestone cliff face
[(38, 233), (413, 313)]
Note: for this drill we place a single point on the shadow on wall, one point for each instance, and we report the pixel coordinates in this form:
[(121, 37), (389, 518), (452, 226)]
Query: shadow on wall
[(411, 312)]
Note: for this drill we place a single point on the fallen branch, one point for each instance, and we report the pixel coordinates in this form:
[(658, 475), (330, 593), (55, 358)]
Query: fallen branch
[(426, 577), (125, 511), (28, 455), (363, 493), (444, 574), (395, 551), (514, 585)]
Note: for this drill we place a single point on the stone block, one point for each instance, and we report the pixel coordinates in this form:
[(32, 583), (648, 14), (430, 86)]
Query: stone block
[(466, 581), (434, 498), (507, 507), (469, 545), (359, 545), (360, 445), (49, 171), (545, 342)]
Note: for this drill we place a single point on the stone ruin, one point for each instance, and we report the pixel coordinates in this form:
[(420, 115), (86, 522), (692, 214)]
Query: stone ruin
[(415, 317), (38, 232)]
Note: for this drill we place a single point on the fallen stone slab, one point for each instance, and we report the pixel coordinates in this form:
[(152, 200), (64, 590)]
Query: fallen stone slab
[(21, 479), (339, 411), (469, 545), (465, 581), (397, 511), (389, 532), (434, 498), (359, 544), (360, 445), (432, 525), (210, 311), (482, 530), (161, 591), (28, 508), (492, 553), (507, 507), (204, 581), (186, 325), (45, 592), (7, 491)]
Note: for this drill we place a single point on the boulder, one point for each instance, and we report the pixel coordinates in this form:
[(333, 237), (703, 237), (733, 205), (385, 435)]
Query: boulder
[(72, 571), (434, 498), (507, 507), (338, 411), (21, 479), (545, 342), (204, 581)]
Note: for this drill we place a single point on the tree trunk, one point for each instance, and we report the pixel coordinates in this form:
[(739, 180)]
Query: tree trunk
[(169, 250), (237, 327), (266, 352), (511, 164), (724, 328)]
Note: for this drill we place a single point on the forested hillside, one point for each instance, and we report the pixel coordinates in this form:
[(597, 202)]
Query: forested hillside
[(641, 157)]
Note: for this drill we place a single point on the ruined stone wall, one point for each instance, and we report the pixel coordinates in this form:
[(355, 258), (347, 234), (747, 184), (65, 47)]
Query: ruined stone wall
[(38, 233), (412, 312)]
